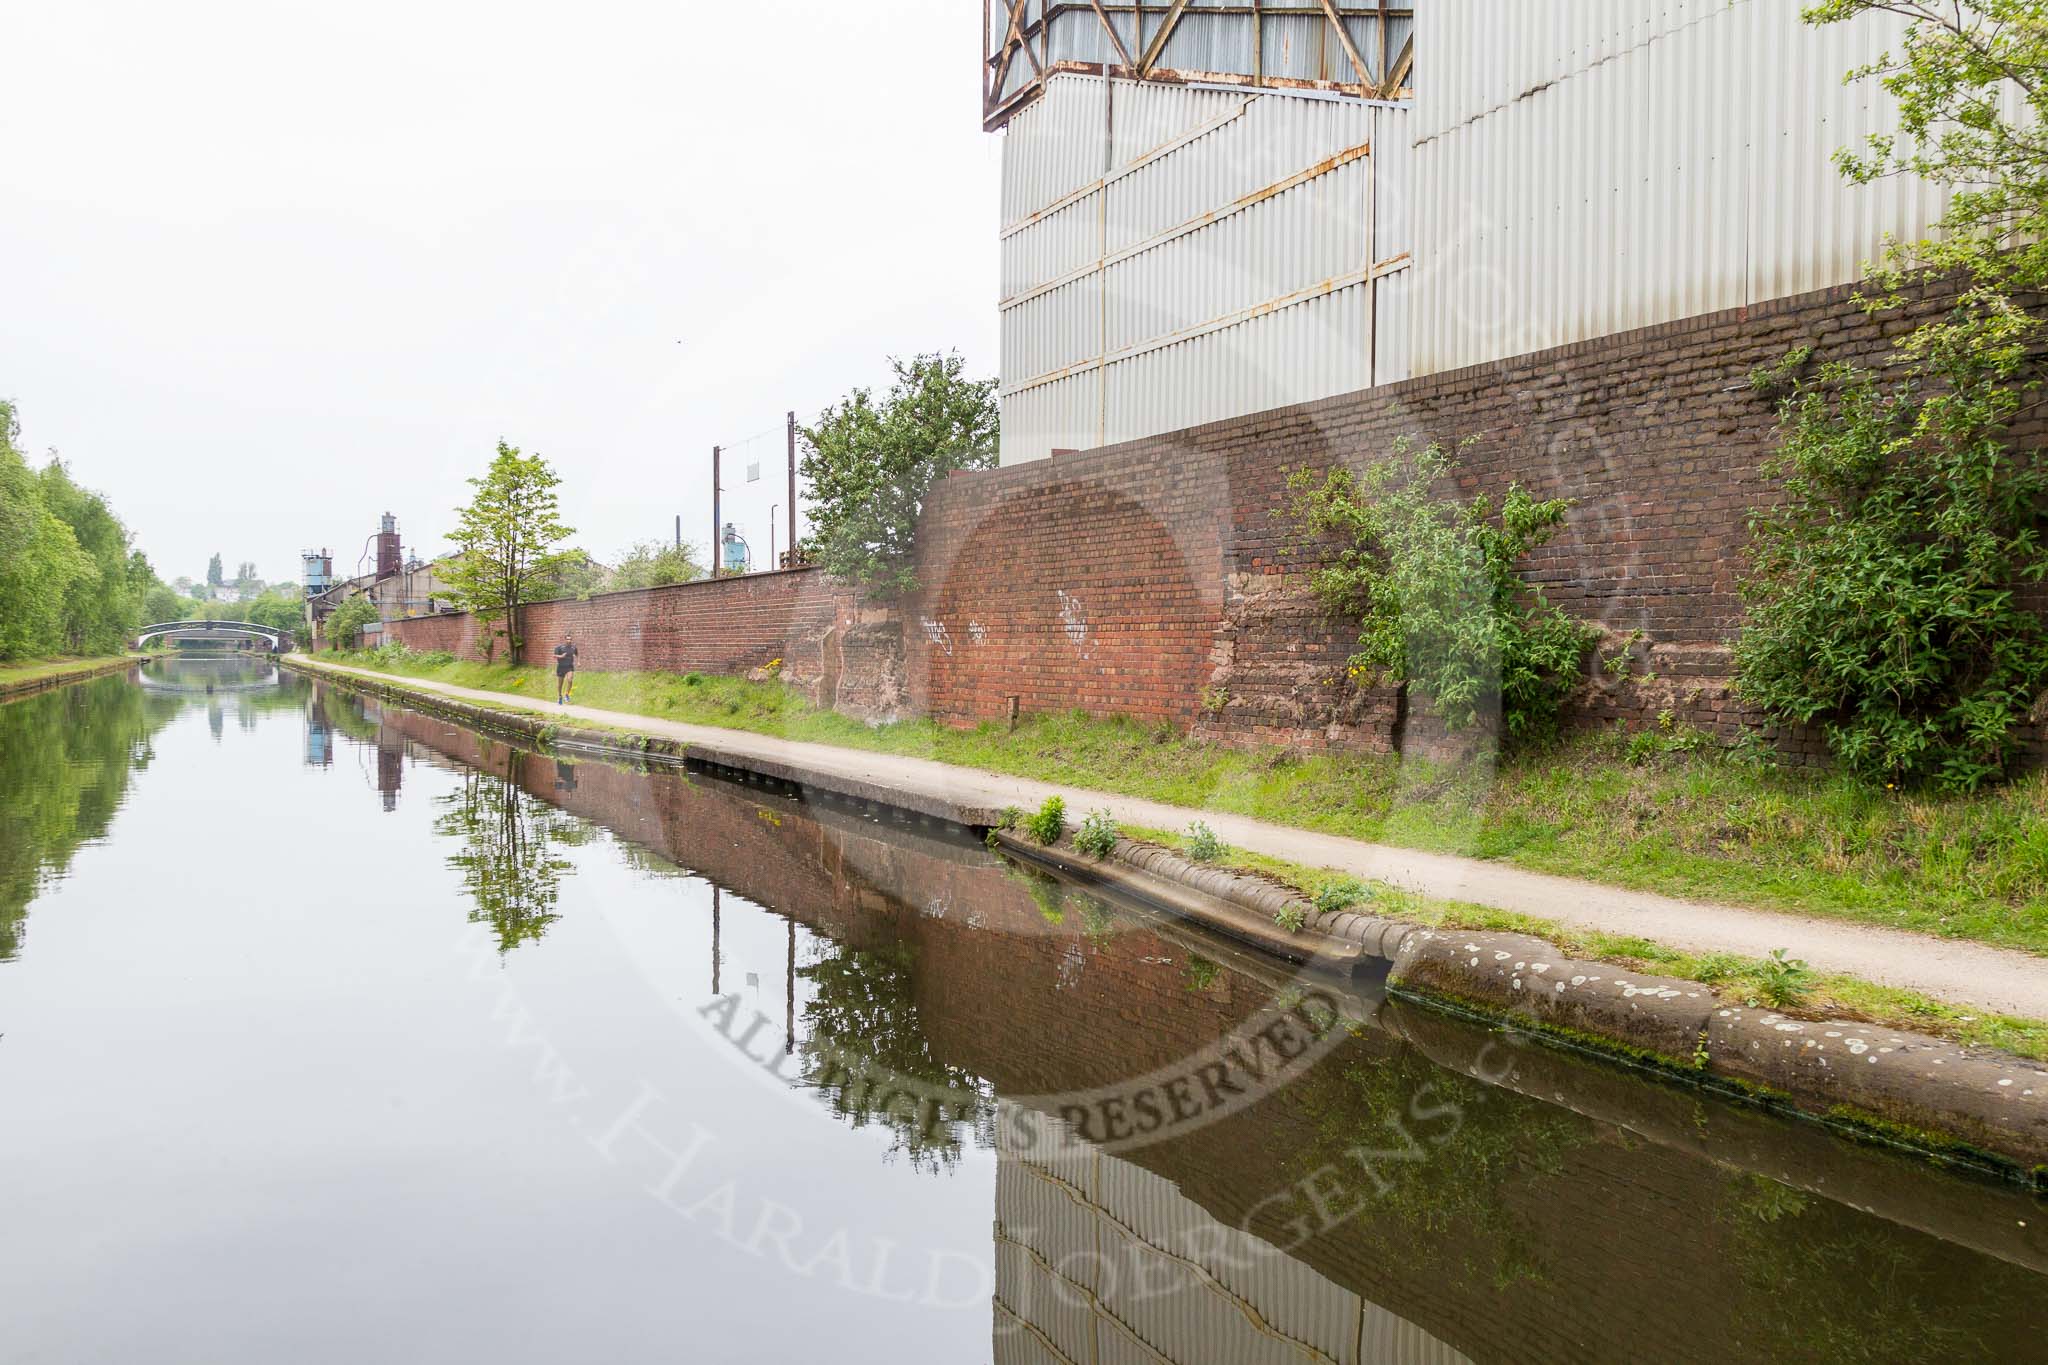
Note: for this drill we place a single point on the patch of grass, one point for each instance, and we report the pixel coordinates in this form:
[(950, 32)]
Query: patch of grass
[(1686, 820), (42, 670)]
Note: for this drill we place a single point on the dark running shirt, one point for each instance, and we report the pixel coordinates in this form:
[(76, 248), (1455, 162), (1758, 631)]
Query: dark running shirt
[(565, 658)]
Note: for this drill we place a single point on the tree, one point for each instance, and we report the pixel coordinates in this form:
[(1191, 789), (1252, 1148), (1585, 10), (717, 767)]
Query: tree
[(345, 627), (213, 571), (40, 559), (871, 465), (102, 612), (653, 564), (1885, 585), (506, 544)]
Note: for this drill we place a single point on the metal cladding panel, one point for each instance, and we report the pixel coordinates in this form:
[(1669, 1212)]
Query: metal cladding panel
[(1307, 350), (1607, 175), (1054, 146), (1036, 1296), (1219, 266)]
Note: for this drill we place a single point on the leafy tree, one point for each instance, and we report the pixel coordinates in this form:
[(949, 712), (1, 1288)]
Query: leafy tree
[(506, 544), (1884, 586), (40, 559), (507, 858), (162, 604), (653, 564), (871, 464), (576, 575), (1434, 584), (101, 612), (345, 627), (213, 571)]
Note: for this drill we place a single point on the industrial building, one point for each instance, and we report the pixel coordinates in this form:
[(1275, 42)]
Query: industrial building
[(1215, 208)]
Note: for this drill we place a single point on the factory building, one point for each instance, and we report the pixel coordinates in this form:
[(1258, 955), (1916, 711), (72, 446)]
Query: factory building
[(1211, 209)]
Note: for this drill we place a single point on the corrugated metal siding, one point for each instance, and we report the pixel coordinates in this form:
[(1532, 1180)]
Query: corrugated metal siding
[(1584, 167), (1171, 256)]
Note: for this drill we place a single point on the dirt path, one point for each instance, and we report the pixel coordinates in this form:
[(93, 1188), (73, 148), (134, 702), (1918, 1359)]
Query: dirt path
[(1954, 970)]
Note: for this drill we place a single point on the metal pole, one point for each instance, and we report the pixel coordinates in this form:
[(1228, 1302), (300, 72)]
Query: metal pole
[(714, 511), (792, 485), (789, 993), (772, 509), (679, 530), (714, 938)]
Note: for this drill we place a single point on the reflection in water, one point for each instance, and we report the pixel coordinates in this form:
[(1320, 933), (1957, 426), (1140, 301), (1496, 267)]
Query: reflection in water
[(510, 869), (877, 1023)]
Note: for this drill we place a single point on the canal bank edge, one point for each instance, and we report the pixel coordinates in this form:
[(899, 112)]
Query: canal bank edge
[(64, 676), (1966, 1106)]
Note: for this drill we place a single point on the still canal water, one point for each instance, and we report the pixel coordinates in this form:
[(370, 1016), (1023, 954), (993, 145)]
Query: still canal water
[(332, 1032)]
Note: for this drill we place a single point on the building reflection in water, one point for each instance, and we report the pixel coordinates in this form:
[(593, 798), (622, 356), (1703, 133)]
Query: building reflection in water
[(1099, 1259)]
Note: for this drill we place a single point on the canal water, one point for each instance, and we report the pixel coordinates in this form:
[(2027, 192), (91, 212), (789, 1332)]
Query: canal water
[(331, 1031)]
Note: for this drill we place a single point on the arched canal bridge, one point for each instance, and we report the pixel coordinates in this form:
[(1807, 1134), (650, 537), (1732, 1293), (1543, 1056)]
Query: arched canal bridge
[(217, 632)]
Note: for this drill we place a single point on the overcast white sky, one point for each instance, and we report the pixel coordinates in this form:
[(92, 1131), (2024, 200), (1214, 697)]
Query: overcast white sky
[(270, 269)]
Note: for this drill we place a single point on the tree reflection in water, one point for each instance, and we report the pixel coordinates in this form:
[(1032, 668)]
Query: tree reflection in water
[(866, 1050), (507, 860)]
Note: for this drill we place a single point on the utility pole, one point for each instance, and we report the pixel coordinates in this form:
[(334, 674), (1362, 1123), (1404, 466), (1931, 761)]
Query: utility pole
[(714, 512), (679, 530), (792, 486)]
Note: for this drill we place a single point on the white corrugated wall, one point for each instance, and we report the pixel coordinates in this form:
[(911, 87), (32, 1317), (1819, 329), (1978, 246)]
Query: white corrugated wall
[(1176, 255), (1584, 167)]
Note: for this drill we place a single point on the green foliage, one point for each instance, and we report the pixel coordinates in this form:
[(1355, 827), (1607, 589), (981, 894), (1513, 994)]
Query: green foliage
[(1199, 974), (213, 571), (1433, 583), (1291, 918), (506, 855), (871, 464), (652, 564), (1341, 894), (1049, 823), (1780, 981), (1202, 844), (344, 628), (507, 544), (1885, 586), (1097, 836)]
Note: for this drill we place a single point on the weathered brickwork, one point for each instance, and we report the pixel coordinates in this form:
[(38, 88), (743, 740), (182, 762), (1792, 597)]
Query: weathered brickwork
[(1159, 579)]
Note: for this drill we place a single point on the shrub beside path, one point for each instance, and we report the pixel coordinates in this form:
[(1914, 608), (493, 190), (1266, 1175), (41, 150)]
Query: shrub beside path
[(1957, 971)]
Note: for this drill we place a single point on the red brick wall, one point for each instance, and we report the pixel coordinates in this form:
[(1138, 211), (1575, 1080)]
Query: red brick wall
[(1157, 579), (727, 625)]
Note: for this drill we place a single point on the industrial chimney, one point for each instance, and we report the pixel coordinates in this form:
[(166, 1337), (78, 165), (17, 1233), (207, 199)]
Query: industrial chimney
[(387, 547)]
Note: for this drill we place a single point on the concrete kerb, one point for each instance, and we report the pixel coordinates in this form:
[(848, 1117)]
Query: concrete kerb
[(1985, 1109), (27, 687)]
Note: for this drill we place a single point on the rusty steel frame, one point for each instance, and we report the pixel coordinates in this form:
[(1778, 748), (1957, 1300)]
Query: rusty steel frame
[(1033, 37)]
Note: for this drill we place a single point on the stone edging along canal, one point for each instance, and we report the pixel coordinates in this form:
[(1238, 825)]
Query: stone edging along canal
[(65, 677), (1968, 1106)]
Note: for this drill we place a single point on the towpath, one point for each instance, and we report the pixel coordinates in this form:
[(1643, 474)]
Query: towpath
[(1956, 971)]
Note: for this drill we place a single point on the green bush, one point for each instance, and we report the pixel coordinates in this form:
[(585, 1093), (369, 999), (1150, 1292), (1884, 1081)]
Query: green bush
[(1097, 836), (1291, 918), (1883, 587), (1342, 894), (1434, 585), (1049, 823), (1782, 982), (1203, 845)]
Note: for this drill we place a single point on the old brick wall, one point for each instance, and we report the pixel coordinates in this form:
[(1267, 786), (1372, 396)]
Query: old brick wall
[(1157, 578)]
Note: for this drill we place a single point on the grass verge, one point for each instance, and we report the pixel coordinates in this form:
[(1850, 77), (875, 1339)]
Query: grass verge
[(1750, 980), (20, 671), (1678, 819)]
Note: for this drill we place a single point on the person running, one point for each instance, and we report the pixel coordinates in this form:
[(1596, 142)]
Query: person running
[(565, 670)]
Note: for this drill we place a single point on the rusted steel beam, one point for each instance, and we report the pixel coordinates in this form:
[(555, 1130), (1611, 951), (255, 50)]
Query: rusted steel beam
[(1350, 48), (1110, 29), (1404, 66), (1158, 43)]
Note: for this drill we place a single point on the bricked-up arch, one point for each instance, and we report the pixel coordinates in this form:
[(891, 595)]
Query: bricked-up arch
[(1068, 594)]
